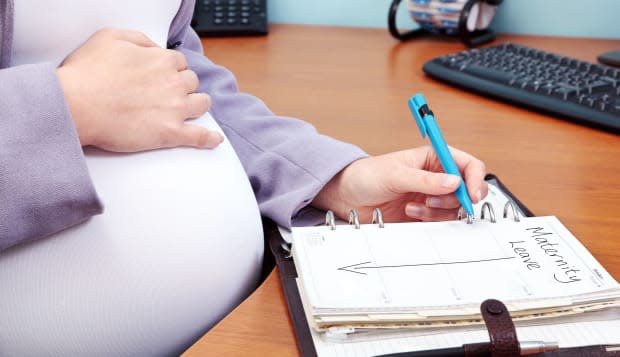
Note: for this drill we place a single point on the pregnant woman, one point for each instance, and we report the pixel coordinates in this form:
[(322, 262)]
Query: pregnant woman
[(133, 175)]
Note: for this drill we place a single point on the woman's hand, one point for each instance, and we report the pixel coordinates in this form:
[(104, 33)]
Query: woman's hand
[(406, 185), (127, 94)]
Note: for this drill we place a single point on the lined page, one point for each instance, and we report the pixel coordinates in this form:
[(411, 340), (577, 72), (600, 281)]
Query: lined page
[(443, 265)]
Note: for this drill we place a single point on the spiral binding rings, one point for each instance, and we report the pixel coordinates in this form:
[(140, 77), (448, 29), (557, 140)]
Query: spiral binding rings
[(377, 217), (330, 220), (354, 218), (488, 208), (515, 213), (470, 219)]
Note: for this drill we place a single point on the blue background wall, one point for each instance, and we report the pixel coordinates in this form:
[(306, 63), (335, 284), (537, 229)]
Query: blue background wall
[(580, 18)]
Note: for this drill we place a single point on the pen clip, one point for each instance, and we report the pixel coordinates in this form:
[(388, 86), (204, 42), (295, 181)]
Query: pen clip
[(419, 108)]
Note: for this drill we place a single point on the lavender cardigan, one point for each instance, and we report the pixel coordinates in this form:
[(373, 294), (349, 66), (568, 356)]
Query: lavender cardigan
[(45, 186)]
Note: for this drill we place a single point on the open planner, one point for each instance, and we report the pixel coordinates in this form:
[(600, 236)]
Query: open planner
[(382, 283)]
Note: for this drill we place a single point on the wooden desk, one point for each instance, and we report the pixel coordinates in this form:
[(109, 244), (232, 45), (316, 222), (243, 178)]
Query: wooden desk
[(353, 84)]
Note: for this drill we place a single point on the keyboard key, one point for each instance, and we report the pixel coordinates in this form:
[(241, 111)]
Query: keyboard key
[(565, 91), (613, 81), (598, 87), (488, 73)]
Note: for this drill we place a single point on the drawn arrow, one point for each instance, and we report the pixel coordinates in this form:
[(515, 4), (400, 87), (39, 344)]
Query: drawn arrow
[(353, 268)]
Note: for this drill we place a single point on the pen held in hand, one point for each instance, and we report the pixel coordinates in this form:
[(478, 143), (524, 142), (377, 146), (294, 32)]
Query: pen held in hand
[(428, 126)]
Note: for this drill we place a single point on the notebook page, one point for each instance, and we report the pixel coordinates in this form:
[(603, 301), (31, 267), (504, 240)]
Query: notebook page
[(567, 335), (443, 265)]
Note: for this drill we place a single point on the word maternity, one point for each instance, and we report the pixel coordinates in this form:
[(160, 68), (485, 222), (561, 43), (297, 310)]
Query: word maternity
[(568, 273)]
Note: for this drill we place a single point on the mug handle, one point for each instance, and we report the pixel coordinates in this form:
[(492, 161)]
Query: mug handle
[(470, 39), (392, 25), (477, 37)]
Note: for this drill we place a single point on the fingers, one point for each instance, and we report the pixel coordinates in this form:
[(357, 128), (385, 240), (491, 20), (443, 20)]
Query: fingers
[(430, 183), (194, 135), (424, 213), (197, 136), (418, 170), (140, 39), (190, 80), (197, 105), (179, 59), (448, 201), (473, 171), (169, 59)]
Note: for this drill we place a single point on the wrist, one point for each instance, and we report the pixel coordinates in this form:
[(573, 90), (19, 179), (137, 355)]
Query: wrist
[(333, 195), (72, 100)]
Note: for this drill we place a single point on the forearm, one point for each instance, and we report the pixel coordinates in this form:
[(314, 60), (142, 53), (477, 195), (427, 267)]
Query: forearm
[(44, 180), (287, 161)]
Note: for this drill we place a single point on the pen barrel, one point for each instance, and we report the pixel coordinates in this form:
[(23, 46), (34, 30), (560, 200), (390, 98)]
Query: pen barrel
[(441, 147), (447, 162), (463, 196)]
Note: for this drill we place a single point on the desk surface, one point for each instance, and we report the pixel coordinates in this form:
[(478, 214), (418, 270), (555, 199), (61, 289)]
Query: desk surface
[(353, 84)]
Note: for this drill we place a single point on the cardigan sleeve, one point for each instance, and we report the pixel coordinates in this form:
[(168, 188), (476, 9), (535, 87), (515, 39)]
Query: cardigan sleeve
[(45, 186), (286, 159)]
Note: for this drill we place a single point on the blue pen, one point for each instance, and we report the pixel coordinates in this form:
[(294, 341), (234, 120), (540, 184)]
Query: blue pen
[(426, 122)]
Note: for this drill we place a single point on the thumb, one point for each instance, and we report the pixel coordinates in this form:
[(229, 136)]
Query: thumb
[(430, 183), (197, 136)]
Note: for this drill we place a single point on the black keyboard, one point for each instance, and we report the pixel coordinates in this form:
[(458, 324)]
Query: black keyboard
[(575, 90), (230, 17)]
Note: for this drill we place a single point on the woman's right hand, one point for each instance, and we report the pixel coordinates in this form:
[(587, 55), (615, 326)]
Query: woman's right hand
[(126, 94)]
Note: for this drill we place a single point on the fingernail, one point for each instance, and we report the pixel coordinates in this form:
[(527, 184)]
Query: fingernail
[(413, 211), (449, 181), (479, 195), (212, 140), (433, 202), (216, 137)]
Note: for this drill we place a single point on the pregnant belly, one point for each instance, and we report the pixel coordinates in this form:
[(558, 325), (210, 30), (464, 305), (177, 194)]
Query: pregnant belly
[(178, 246)]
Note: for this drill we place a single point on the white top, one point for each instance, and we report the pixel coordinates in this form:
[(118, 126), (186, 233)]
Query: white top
[(50, 30), (178, 246)]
